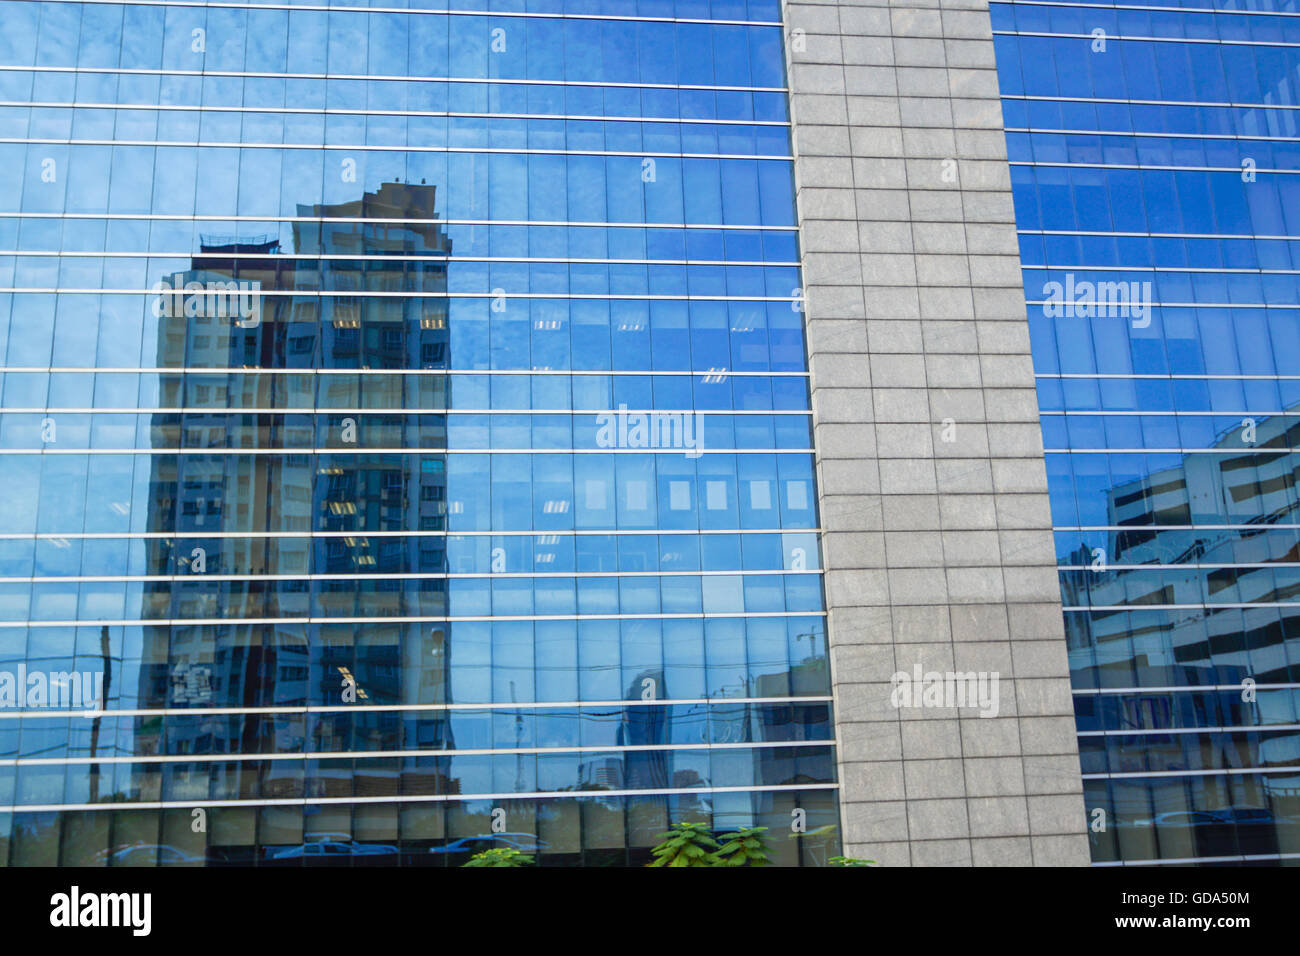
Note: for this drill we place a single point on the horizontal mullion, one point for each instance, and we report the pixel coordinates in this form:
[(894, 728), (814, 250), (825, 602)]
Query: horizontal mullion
[(1121, 234), (405, 411), (406, 798), (1141, 134), (418, 11), (1182, 861), (1203, 606), (380, 77), (1181, 566), (1178, 527), (1121, 101), (1128, 38), (570, 532), (358, 111), (1178, 689), (1142, 412), (281, 756), (720, 373), (1175, 376), (195, 578), (389, 259), (1218, 772), (1152, 7), (380, 221), (1154, 731), (305, 709), (1103, 304), (1092, 267), (1244, 450), (1159, 167), (378, 148), (409, 451), (401, 619), (404, 294)]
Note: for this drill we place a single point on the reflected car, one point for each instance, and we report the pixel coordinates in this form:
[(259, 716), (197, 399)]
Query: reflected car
[(1184, 818), (524, 842), (1247, 816), (148, 854), (1228, 831), (1256, 828), (317, 849)]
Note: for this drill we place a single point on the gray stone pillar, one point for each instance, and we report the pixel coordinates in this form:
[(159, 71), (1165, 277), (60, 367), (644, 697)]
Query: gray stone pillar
[(938, 541)]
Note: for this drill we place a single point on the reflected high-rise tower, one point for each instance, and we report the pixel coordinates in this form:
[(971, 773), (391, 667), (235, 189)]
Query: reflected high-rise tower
[(233, 517)]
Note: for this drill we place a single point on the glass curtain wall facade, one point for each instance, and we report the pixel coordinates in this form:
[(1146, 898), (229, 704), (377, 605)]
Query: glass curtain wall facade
[(1157, 147), (405, 433)]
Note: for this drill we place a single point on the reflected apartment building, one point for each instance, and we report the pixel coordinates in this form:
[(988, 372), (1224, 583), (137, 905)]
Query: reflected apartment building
[(1225, 617), (300, 513)]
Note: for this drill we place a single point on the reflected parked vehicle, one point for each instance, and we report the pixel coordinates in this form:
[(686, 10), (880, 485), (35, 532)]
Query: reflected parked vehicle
[(1256, 828), (1183, 818), (523, 842), (318, 850), (149, 854), (1229, 831)]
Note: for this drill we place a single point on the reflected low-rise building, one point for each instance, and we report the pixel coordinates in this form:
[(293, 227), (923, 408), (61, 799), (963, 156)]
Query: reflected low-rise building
[(1197, 692)]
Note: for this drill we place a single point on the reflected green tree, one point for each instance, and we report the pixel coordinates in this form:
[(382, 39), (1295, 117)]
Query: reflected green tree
[(744, 847), (499, 856), (685, 844)]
